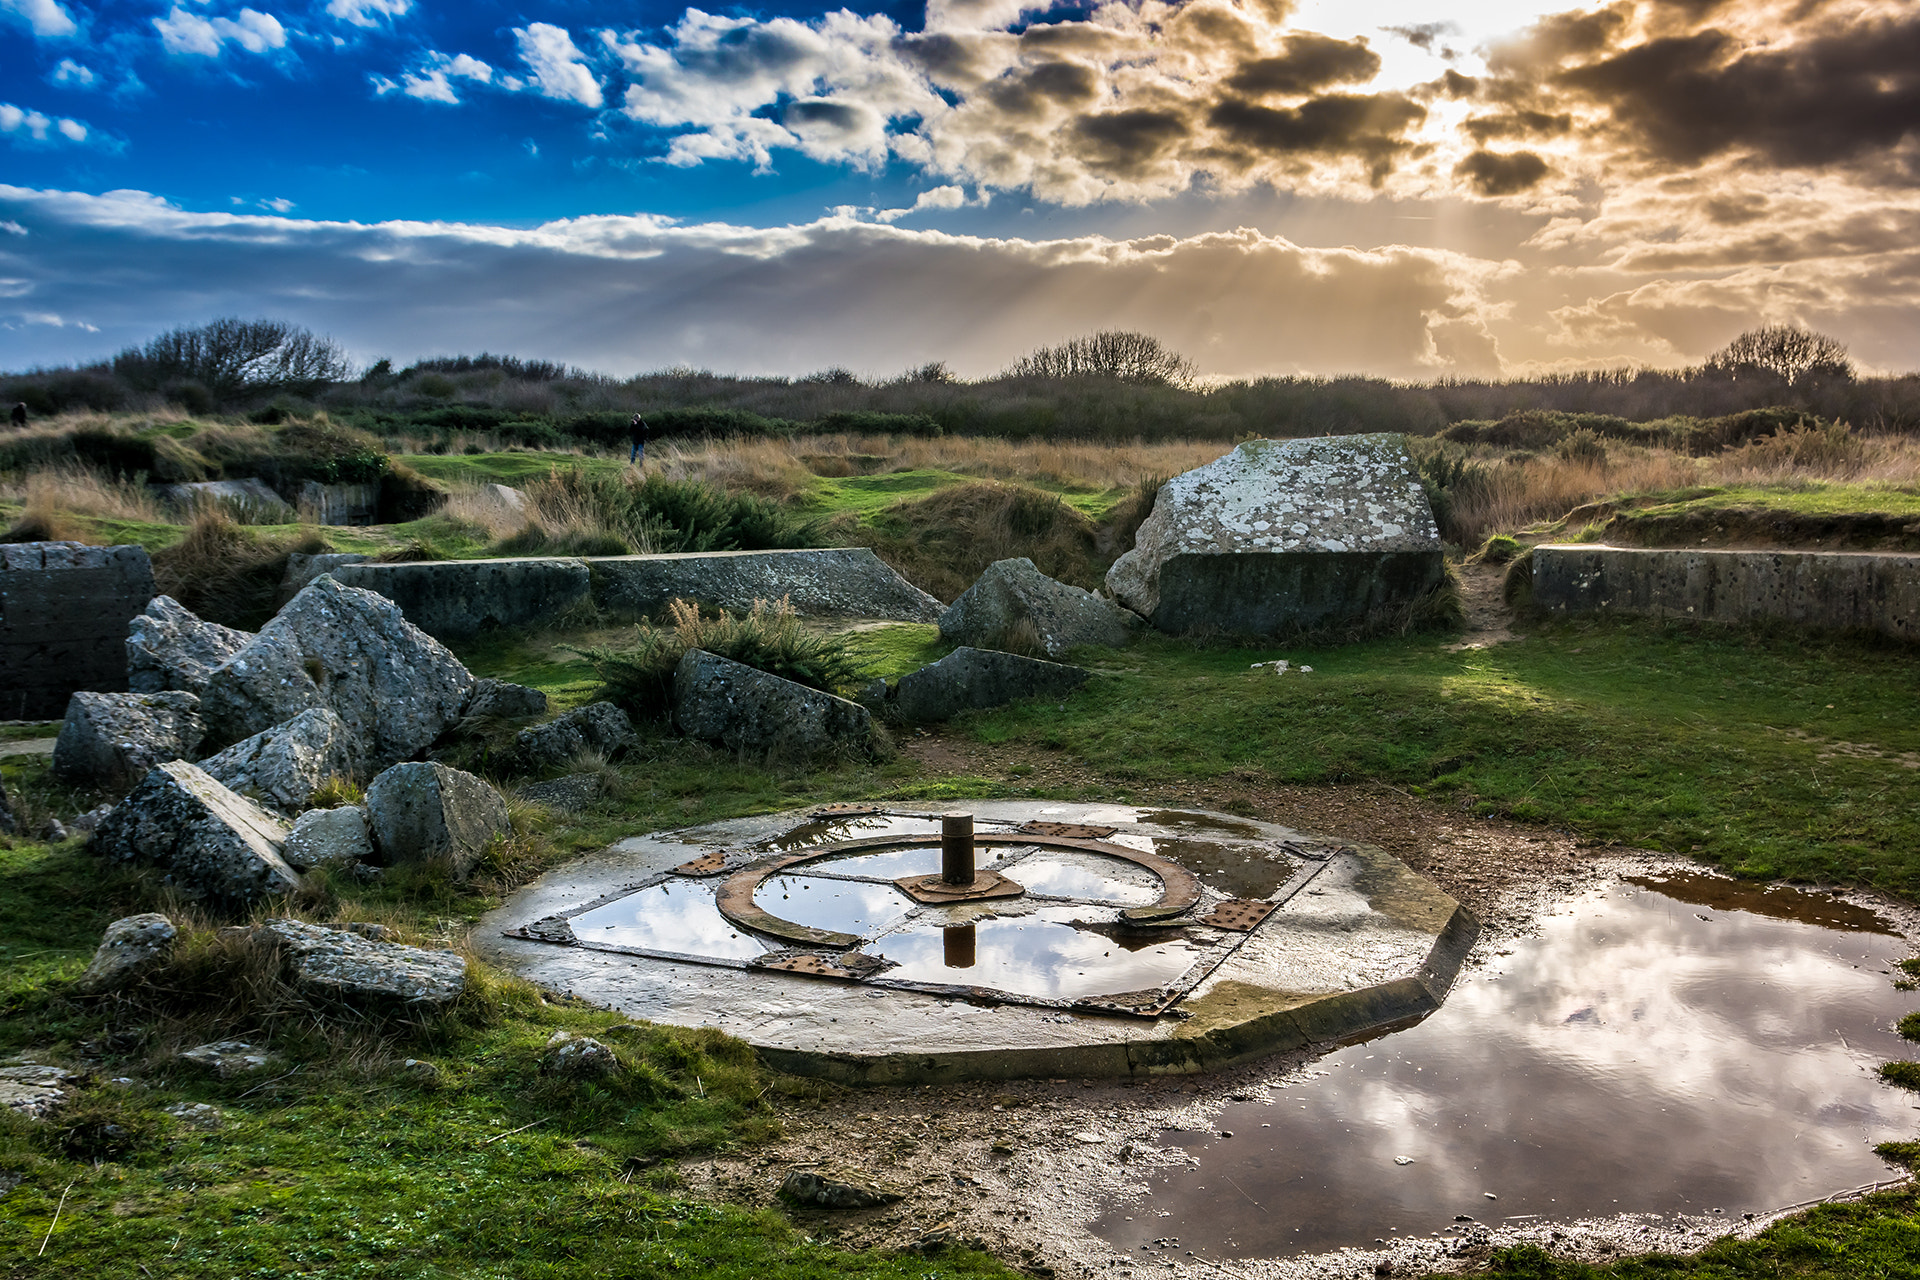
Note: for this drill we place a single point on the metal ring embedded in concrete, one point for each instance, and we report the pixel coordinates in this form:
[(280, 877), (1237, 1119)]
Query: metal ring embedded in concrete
[(1179, 888)]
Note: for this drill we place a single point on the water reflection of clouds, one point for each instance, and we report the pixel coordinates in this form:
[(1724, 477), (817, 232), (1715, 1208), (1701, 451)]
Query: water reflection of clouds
[(678, 916), (1036, 955), (1631, 1057), (843, 906)]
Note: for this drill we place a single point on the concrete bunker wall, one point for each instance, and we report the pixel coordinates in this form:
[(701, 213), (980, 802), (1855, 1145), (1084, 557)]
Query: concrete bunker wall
[(1273, 593), (64, 610), (452, 599), (1837, 590)]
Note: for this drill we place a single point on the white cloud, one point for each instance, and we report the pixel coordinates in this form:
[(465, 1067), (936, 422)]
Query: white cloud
[(187, 33), (12, 228), (71, 75), (44, 17), (434, 81), (937, 198), (558, 66), (23, 124), (368, 13)]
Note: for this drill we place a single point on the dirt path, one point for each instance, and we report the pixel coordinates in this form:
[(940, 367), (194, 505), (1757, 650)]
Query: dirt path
[(1489, 620)]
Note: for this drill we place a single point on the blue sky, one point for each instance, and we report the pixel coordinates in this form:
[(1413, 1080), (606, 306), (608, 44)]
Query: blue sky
[(1274, 187)]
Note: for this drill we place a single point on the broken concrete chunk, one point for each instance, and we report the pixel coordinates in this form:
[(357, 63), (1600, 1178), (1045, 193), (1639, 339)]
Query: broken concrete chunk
[(812, 1190), (251, 499), (599, 727), (1013, 606), (394, 687), (33, 1091), (113, 739), (132, 946), (565, 795), (228, 1058), (170, 647), (760, 714), (969, 679), (212, 843), (283, 766), (341, 965), (581, 1057), (201, 1117), (322, 837), (1283, 535), (423, 810), (502, 700)]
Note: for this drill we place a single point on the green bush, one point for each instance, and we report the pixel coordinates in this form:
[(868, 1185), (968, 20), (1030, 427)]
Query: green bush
[(620, 513), (770, 638)]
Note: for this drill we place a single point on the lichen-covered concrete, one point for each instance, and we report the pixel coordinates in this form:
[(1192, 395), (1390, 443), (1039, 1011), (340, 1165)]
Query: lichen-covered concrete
[(453, 599), (1835, 590), (1357, 941), (1285, 534)]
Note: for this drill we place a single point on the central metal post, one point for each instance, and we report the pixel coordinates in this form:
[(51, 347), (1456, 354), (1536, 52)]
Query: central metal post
[(958, 941), (956, 848)]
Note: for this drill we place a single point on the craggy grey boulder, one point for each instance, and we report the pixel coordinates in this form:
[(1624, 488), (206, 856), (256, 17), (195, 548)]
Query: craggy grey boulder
[(283, 766), (211, 842), (131, 947), (329, 836), (564, 795), (598, 727), (424, 810), (170, 647), (32, 1090), (753, 712), (581, 1057), (251, 499), (303, 568), (340, 966), (1284, 535), (111, 739), (228, 1058), (502, 700), (968, 679), (1013, 604), (395, 687)]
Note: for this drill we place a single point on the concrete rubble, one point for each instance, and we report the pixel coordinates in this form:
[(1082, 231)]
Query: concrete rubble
[(423, 810), (170, 647), (394, 687), (581, 1057), (809, 1189), (503, 700), (111, 739), (342, 966), (599, 727), (759, 714), (1014, 606), (970, 679), (226, 1059), (329, 837), (212, 843), (283, 766), (132, 946), (1284, 535), (33, 1091)]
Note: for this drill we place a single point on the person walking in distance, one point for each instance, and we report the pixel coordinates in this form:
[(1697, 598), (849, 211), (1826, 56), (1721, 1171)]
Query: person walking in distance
[(20, 414), (639, 432)]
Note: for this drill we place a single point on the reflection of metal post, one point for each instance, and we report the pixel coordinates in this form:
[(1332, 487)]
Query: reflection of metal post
[(956, 848), (958, 939)]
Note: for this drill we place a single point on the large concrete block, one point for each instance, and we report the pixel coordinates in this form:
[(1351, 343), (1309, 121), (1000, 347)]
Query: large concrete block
[(830, 582), (1284, 535), (1013, 602), (1834, 590), (760, 714), (971, 679), (64, 609), (211, 842), (114, 739), (453, 599)]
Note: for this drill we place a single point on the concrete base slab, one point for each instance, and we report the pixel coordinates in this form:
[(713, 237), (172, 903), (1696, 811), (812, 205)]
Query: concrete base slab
[(1355, 941)]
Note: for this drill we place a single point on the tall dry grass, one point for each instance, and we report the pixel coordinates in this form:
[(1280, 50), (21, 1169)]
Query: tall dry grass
[(52, 500)]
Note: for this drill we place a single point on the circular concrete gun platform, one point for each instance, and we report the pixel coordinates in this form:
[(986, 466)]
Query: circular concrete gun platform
[(1090, 940)]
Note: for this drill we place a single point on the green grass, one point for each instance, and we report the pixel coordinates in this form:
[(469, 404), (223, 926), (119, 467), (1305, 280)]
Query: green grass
[(868, 496), (502, 468), (892, 651), (1772, 756), (1810, 497)]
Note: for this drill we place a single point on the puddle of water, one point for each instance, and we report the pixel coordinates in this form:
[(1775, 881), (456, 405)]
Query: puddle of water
[(896, 863), (1635, 1057), (1203, 821), (1777, 901), (844, 906), (1088, 876), (829, 830), (1034, 955), (1239, 870), (677, 916)]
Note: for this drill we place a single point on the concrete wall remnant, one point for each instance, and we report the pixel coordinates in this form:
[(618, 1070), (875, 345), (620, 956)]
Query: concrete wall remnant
[(1833, 590), (1283, 535), (64, 610), (453, 599)]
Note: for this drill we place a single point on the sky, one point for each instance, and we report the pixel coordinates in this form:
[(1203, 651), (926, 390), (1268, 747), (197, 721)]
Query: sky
[(1270, 187)]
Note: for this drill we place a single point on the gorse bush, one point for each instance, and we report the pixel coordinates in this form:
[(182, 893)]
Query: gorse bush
[(770, 637)]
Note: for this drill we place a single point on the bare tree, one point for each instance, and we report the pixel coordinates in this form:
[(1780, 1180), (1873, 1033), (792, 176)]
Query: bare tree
[(1129, 357), (231, 357), (1789, 353)]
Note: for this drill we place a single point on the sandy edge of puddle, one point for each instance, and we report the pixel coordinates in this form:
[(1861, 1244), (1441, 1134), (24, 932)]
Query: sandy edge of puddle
[(1068, 1147)]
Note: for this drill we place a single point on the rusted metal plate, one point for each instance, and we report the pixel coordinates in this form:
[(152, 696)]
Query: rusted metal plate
[(1241, 915), (711, 864), (813, 966), (1135, 1004), (986, 884), (845, 810), (1065, 830)]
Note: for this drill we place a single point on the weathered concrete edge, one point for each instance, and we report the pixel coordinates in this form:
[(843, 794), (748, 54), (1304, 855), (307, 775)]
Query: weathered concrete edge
[(1326, 1020)]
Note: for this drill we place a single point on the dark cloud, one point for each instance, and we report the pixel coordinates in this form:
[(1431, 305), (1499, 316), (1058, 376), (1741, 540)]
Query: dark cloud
[(1736, 208), (1368, 127), (1422, 35), (1125, 143), (1035, 92), (1518, 124), (952, 60), (1309, 63), (1493, 173), (846, 117), (1836, 97), (1453, 85), (1558, 37)]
